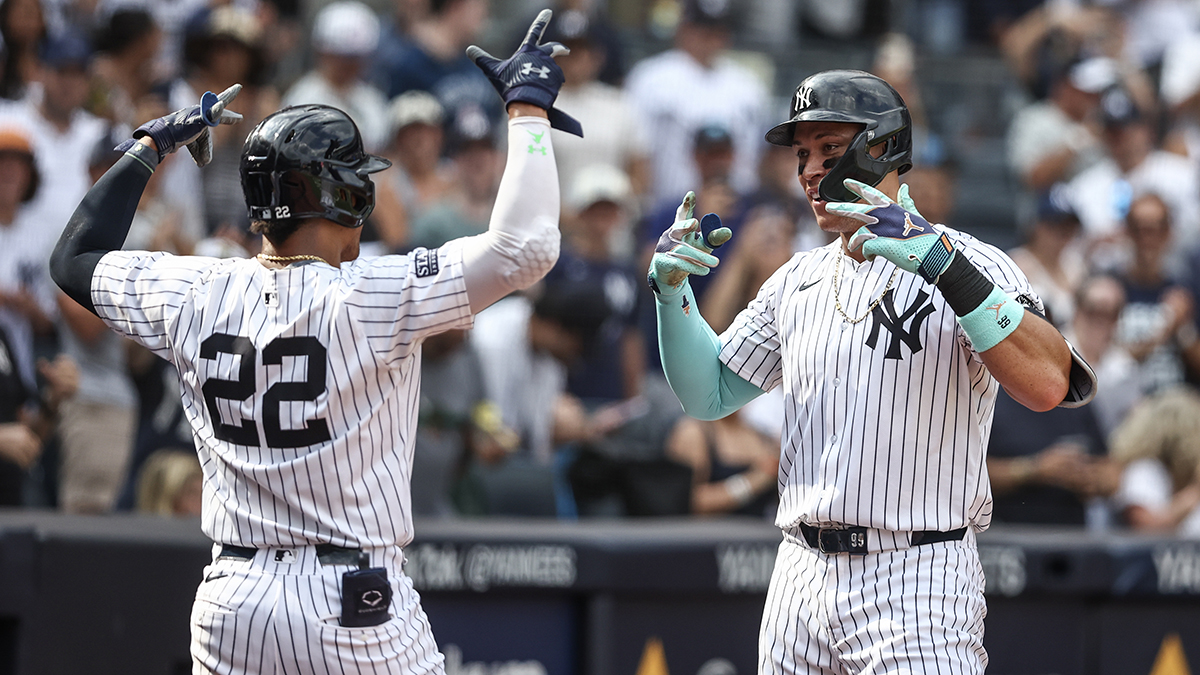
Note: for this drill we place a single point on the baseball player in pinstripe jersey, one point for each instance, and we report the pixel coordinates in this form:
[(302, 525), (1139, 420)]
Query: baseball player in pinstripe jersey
[(890, 344), (300, 367)]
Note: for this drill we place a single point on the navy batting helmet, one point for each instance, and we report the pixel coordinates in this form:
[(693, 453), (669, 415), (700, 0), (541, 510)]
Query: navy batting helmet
[(308, 161), (860, 98)]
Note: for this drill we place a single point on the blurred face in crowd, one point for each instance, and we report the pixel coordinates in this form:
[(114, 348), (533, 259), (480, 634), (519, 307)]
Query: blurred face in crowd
[(714, 161), (229, 61), (1076, 103), (1098, 307), (818, 146), (583, 64), (1129, 143), (341, 70), (16, 171), (701, 42), (65, 89), (1149, 227), (23, 21), (479, 169), (419, 146)]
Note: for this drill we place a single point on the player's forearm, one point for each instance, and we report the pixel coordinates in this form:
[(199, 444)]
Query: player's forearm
[(690, 353), (1033, 364), (100, 223), (521, 244)]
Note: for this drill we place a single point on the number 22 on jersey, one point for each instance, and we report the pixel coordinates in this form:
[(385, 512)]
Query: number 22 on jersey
[(246, 432)]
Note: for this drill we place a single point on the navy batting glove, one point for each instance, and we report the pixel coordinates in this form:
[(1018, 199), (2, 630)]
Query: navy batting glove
[(896, 232), (188, 126), (530, 75)]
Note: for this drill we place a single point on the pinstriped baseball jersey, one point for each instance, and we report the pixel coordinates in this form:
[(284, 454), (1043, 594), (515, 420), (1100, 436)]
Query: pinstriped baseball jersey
[(300, 383), (886, 420)]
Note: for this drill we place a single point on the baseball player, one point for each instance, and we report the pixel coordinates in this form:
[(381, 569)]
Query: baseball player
[(890, 344), (300, 367)]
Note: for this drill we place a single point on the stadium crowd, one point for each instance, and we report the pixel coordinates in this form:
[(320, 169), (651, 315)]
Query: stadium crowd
[(554, 404)]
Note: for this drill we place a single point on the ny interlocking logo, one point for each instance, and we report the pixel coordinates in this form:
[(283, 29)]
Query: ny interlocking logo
[(885, 316), (528, 68), (803, 99)]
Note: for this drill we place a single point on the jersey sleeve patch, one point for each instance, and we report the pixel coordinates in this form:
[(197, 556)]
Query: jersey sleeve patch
[(425, 262)]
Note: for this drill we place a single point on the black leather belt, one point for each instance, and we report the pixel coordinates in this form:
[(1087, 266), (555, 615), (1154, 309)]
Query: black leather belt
[(327, 554), (853, 540)]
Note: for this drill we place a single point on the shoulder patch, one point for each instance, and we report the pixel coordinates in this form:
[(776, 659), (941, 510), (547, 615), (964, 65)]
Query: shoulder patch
[(425, 262)]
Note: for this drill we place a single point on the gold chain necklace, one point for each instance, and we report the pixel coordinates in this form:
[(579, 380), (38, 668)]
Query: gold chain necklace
[(837, 275), (290, 258)]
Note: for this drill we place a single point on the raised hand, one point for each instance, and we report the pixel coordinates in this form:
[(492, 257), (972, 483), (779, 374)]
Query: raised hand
[(686, 248), (189, 126), (899, 234), (530, 75)]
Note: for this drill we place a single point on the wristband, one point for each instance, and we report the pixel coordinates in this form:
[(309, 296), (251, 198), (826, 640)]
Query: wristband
[(145, 154), (993, 320), (738, 487)]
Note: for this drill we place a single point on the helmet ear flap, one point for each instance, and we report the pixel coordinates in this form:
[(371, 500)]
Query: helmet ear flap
[(857, 163)]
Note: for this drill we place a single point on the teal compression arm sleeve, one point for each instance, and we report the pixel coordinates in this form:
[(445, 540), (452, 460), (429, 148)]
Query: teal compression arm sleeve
[(690, 353)]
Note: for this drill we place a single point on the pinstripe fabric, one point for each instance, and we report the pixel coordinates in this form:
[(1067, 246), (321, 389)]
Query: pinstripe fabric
[(883, 427), (916, 610), (267, 616), (369, 317)]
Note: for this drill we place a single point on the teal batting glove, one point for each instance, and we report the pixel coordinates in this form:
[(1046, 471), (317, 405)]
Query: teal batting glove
[(897, 233), (686, 248)]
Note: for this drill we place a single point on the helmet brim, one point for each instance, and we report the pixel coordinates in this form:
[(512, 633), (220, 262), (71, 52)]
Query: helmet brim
[(784, 133), (373, 164)]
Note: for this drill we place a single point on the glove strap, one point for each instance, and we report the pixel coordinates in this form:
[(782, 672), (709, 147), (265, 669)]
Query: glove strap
[(986, 313)]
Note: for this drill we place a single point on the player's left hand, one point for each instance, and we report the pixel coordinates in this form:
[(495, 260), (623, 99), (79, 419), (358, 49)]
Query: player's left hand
[(897, 233), (530, 75), (189, 126)]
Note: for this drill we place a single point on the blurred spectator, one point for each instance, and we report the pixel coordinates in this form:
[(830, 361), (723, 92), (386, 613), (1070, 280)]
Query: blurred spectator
[(932, 185), (457, 427), (692, 85), (345, 36), (1101, 195), (1047, 467), (419, 176), (765, 243), (1150, 27), (603, 35), (171, 484), (1159, 444), (435, 59), (613, 134), (27, 305), (1156, 325), (1098, 305), (222, 46), (27, 416), (735, 469), (1053, 267), (1043, 40), (1049, 141), (62, 133), (1180, 91), (97, 425), (612, 366), (127, 45), (477, 165), (22, 29)]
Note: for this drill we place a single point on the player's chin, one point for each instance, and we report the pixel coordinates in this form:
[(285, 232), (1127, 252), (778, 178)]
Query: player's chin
[(832, 222)]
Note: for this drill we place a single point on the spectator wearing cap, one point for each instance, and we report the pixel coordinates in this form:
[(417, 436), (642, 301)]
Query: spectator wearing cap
[(345, 36), (1099, 301), (433, 57), (476, 165), (27, 308), (420, 176), (1050, 140), (613, 367), (613, 134), (693, 84), (1135, 166), (61, 131), (1054, 268)]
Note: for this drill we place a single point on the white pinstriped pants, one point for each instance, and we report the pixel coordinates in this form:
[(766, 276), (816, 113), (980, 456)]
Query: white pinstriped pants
[(278, 614), (918, 610)]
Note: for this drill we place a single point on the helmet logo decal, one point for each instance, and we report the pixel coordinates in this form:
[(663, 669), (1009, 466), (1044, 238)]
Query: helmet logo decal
[(803, 98)]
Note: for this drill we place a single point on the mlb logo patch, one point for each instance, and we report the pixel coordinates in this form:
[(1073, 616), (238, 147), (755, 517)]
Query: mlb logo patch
[(425, 262)]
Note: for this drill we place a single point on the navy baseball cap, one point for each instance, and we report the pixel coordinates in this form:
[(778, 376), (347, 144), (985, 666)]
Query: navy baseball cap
[(1054, 206), (713, 13), (711, 135), (66, 48), (1117, 109)]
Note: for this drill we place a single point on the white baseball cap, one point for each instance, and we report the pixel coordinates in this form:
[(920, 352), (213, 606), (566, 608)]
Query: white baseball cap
[(346, 28), (1094, 75), (599, 183)]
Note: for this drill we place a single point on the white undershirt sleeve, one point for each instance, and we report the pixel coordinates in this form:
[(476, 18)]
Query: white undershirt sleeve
[(521, 244)]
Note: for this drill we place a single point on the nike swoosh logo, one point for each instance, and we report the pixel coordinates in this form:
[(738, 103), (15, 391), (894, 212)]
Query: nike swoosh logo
[(808, 285)]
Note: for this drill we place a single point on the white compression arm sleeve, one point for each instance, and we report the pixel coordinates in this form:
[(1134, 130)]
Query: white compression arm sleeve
[(521, 244)]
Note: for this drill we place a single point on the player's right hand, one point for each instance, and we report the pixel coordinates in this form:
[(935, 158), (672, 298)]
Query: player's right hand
[(189, 126), (530, 75), (686, 248)]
